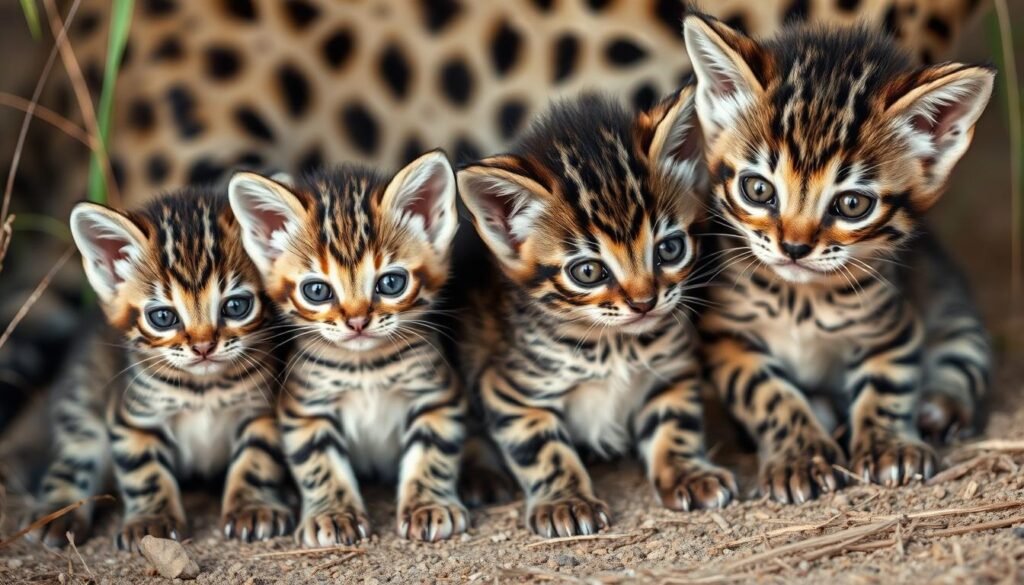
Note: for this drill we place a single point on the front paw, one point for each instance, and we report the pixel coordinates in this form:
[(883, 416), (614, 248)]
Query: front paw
[(697, 485), (156, 525), (943, 418), (54, 534), (256, 521), (345, 526), (795, 475), (574, 516), (893, 460), (432, 522)]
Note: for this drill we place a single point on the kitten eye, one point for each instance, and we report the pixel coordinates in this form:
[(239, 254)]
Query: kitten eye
[(588, 272), (317, 291), (758, 190), (392, 284), (161, 318), (671, 249), (237, 307), (853, 205)]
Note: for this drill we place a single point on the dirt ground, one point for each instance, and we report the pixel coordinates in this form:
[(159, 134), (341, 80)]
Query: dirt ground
[(878, 536)]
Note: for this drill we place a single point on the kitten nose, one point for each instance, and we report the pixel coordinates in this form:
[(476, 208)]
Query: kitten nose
[(357, 324), (203, 349), (796, 251), (641, 306)]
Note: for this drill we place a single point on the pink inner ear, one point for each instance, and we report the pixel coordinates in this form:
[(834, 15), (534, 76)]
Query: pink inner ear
[(498, 209), (422, 202), (945, 117), (724, 85), (270, 221), (111, 251), (689, 148)]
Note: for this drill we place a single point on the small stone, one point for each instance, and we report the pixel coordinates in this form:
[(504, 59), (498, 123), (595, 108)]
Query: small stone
[(15, 563), (1018, 531), (168, 557), (566, 561), (804, 565), (234, 569)]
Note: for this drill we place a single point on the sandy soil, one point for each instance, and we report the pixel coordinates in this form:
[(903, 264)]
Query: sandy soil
[(646, 543)]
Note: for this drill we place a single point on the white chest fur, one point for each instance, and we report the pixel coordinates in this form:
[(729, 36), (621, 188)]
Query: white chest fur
[(204, 440), (372, 418)]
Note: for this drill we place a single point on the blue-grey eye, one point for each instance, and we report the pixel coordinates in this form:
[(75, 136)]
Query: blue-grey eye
[(317, 291), (392, 284), (237, 306), (671, 249), (162, 318), (588, 272)]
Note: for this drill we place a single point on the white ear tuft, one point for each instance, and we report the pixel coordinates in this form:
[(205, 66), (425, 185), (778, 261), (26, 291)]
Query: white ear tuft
[(284, 178), (726, 85), (938, 116), (422, 196), (268, 213), (505, 206), (111, 245), (677, 145)]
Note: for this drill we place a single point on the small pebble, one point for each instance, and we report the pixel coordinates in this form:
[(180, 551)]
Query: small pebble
[(15, 563)]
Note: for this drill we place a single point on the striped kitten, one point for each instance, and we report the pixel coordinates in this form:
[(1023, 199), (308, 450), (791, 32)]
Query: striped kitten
[(580, 347), (356, 261), (179, 384), (825, 148)]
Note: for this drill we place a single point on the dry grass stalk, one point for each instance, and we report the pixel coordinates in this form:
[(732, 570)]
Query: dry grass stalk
[(993, 507), (959, 470), (39, 523), (585, 537), (38, 292), (46, 115), (334, 563), (302, 552), (6, 232), (996, 445), (779, 532), (720, 521), (71, 541), (1002, 523), (81, 89)]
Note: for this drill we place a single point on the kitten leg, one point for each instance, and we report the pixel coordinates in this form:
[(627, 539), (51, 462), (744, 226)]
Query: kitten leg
[(560, 500), (143, 463), (669, 429), (332, 508), (797, 453), (253, 507), (428, 503), (884, 383), (78, 469)]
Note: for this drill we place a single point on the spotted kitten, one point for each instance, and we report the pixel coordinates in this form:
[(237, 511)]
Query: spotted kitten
[(580, 348), (179, 384), (825, 148), (356, 261)]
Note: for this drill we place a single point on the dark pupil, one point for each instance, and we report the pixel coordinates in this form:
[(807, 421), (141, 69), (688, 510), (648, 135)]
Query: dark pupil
[(316, 291), (391, 283), (852, 204), (236, 307), (587, 271), (670, 249), (162, 317)]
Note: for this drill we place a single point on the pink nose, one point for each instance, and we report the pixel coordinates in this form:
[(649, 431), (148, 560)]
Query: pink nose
[(203, 349), (357, 324)]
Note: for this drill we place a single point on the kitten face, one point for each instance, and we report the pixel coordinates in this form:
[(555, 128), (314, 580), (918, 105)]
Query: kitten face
[(353, 257), (592, 215), (826, 146), (174, 279)]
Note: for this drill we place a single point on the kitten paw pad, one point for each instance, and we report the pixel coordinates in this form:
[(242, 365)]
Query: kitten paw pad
[(575, 516), (796, 476), (255, 522), (158, 526), (433, 522), (345, 527), (895, 462)]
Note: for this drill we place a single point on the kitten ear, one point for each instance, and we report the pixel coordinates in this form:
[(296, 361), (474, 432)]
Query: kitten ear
[(423, 194), (937, 114), (111, 244), (673, 139), (505, 203), (268, 213), (726, 63)]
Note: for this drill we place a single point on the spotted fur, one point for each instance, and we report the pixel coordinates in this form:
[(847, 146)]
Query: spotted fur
[(826, 146), (368, 392), (580, 347), (180, 384)]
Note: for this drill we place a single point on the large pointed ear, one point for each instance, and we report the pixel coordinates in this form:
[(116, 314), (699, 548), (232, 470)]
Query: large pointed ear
[(729, 67), (505, 202), (936, 109), (111, 244), (268, 213), (423, 196), (672, 139)]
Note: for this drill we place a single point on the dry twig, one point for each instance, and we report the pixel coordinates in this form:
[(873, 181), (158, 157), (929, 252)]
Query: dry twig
[(71, 541), (38, 292), (302, 552), (585, 537), (53, 516), (334, 563)]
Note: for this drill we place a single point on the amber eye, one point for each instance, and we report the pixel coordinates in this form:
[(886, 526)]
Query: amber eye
[(853, 205), (588, 272), (758, 190)]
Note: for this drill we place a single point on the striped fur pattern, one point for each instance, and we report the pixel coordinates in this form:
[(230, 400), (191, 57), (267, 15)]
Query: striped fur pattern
[(179, 384), (579, 348), (825, 147), (356, 262)]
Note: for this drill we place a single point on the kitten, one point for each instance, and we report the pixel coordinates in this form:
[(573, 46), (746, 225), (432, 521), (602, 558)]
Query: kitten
[(356, 261), (179, 383), (825, 148), (580, 347)]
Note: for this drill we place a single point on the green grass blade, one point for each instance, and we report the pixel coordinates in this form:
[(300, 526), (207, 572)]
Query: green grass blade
[(120, 23), (32, 18)]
